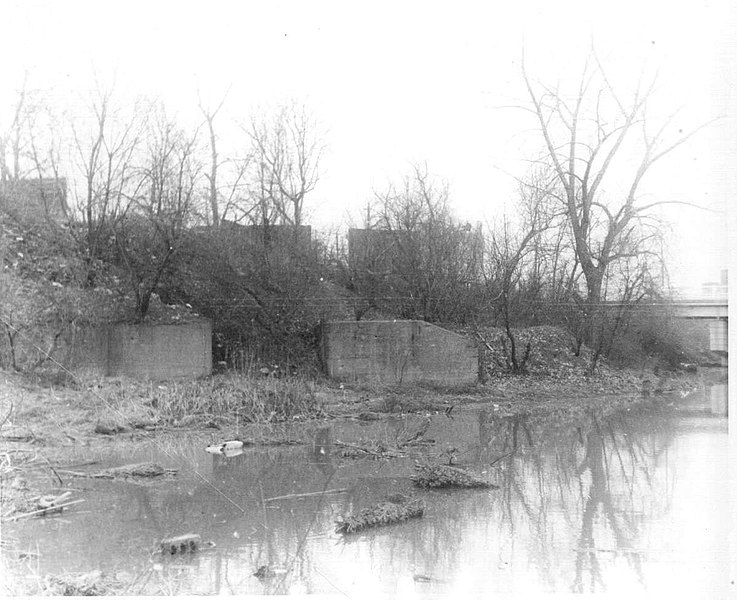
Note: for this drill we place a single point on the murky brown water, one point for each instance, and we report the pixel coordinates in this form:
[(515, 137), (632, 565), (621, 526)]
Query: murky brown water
[(634, 502)]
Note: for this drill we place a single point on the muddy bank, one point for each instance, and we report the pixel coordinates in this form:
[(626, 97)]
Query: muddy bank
[(106, 410), (40, 422)]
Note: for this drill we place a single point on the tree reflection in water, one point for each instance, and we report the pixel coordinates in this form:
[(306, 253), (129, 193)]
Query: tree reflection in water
[(596, 473), (575, 496), (579, 500)]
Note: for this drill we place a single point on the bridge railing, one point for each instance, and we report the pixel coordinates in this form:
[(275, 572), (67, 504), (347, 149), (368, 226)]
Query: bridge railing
[(717, 293)]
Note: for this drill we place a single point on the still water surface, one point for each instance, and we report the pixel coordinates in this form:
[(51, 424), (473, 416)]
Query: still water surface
[(630, 503)]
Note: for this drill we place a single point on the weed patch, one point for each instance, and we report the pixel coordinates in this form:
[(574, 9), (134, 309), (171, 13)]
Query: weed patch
[(251, 400)]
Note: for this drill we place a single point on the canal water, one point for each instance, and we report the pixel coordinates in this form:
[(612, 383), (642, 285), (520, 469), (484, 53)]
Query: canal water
[(632, 503)]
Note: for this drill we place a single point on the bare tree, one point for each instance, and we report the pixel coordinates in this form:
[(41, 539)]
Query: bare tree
[(150, 234), (584, 135), (30, 148), (514, 255), (432, 263), (286, 158), (104, 155), (212, 176), (12, 138), (226, 177)]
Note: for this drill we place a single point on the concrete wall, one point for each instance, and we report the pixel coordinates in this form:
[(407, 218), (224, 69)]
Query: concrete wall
[(396, 352), (718, 339), (706, 334), (155, 352)]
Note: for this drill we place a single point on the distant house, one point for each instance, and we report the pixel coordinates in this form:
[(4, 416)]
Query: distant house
[(295, 237), (35, 199)]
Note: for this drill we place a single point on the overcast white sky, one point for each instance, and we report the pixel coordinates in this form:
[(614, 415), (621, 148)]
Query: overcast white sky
[(394, 83)]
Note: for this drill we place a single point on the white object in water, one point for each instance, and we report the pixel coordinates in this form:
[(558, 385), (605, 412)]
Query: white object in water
[(230, 447)]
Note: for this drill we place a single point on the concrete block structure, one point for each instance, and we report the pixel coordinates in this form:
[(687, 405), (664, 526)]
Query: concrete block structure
[(155, 352), (397, 352)]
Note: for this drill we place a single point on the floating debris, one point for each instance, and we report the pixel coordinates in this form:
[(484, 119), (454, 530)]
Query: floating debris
[(372, 448), (266, 572), (52, 504), (94, 583), (419, 578), (47, 505), (369, 416), (230, 448), (181, 544), (109, 428), (415, 434), (308, 494), (146, 469), (394, 510), (445, 476)]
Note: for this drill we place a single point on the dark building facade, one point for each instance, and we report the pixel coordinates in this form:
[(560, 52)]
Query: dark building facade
[(35, 199)]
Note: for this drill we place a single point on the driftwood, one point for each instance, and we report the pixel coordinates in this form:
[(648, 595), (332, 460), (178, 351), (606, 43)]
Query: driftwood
[(307, 494), (146, 469), (445, 476), (393, 510), (46, 510)]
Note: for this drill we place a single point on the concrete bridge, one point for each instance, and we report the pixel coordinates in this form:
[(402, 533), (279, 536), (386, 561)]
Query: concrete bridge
[(712, 314)]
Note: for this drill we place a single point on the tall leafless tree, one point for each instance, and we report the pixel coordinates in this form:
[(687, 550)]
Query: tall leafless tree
[(151, 233), (432, 263), (514, 255), (104, 154), (212, 177), (287, 149), (13, 138), (595, 140)]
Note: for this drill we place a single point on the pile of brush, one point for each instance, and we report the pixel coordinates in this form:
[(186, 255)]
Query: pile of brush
[(445, 476), (394, 509)]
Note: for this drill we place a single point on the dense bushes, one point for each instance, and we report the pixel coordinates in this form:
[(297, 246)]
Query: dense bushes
[(265, 296), (655, 335)]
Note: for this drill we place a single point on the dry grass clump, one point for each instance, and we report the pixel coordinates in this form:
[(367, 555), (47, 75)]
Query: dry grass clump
[(94, 583), (252, 400), (130, 405), (445, 476), (392, 510)]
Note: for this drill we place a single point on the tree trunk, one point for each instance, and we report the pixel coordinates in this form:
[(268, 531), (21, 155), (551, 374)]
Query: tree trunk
[(592, 317)]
